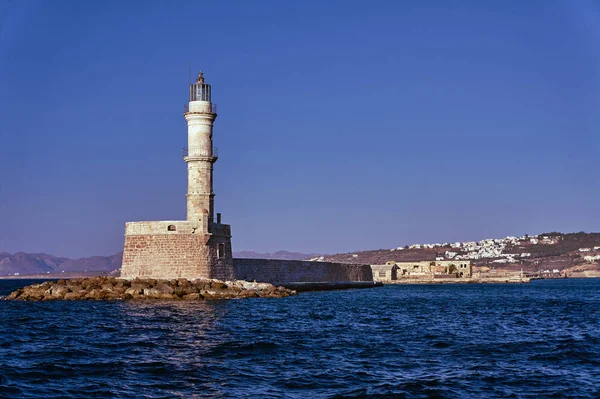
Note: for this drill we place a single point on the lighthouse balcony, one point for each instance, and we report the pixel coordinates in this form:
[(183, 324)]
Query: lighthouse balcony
[(200, 109), (200, 152)]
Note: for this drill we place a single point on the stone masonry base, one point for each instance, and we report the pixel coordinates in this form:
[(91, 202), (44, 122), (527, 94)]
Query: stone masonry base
[(172, 256)]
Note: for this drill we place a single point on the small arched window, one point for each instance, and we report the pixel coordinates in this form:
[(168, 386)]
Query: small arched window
[(171, 227)]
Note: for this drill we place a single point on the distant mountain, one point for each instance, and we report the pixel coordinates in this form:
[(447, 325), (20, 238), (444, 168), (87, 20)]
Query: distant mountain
[(22, 263), (28, 263), (275, 255), (94, 263)]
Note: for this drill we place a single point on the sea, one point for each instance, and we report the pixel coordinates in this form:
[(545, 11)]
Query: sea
[(537, 340)]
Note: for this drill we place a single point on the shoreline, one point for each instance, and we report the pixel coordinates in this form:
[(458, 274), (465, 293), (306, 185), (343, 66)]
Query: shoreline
[(330, 286), (464, 280), (66, 276)]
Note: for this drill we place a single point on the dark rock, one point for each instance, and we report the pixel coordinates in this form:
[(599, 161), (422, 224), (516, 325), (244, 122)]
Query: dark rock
[(192, 297), (151, 292), (93, 294), (133, 291), (14, 295), (74, 296), (140, 285), (182, 282), (218, 285), (202, 284), (107, 287), (59, 291), (166, 288), (123, 284), (247, 294), (118, 290), (156, 293), (208, 294)]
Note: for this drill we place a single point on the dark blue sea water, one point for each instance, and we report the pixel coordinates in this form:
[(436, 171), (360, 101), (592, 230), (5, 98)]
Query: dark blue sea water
[(539, 340)]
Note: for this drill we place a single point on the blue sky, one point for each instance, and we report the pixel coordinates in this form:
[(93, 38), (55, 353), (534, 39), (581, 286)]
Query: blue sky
[(343, 125)]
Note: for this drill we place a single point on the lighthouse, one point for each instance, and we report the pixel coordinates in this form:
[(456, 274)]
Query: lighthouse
[(200, 246), (200, 155)]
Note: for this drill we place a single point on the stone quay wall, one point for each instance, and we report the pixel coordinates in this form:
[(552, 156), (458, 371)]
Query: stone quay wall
[(276, 271)]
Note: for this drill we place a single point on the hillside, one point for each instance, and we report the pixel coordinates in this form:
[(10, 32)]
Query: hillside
[(275, 255), (22, 264), (547, 251)]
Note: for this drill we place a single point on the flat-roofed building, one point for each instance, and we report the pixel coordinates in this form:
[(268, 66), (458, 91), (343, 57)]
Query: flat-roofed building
[(422, 269), (385, 272)]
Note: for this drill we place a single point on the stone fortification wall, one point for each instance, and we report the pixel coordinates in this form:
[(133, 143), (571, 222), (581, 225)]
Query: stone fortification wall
[(158, 227), (153, 251), (294, 271)]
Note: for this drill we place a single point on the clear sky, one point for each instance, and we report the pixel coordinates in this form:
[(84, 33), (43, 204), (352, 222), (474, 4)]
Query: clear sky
[(343, 125)]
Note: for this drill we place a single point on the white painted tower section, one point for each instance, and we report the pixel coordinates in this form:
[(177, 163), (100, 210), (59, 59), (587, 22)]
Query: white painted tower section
[(200, 155)]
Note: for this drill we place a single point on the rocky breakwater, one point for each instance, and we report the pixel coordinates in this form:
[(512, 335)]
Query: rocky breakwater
[(110, 288)]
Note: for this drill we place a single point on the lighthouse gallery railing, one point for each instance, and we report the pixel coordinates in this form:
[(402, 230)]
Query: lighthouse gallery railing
[(206, 109), (199, 152)]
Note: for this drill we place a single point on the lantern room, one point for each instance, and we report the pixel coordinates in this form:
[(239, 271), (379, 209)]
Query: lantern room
[(200, 91)]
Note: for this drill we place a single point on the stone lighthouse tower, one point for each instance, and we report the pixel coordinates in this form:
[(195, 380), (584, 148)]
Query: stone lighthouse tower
[(200, 155), (200, 246)]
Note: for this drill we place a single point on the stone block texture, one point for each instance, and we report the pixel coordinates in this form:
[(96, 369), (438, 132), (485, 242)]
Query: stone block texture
[(276, 271), (171, 255)]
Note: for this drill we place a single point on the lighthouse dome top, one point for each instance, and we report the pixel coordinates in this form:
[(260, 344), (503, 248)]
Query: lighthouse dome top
[(199, 90)]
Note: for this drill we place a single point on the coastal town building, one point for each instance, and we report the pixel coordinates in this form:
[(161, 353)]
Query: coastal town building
[(387, 272), (392, 271), (495, 249), (433, 268), (591, 258)]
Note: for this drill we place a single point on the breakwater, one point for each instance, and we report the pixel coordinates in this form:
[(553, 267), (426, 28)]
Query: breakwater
[(110, 288)]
